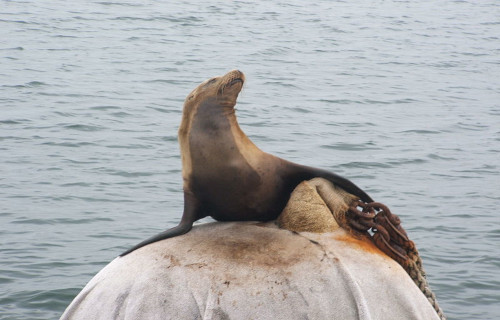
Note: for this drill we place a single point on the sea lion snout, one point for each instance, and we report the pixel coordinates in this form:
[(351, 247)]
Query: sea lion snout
[(233, 80), (229, 86), (235, 75)]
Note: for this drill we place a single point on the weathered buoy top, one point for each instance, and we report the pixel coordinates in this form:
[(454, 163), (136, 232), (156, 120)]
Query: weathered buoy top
[(250, 270)]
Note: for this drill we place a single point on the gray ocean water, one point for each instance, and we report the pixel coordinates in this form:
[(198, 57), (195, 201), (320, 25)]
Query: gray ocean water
[(402, 97)]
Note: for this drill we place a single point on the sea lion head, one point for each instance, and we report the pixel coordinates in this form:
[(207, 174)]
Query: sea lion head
[(222, 90)]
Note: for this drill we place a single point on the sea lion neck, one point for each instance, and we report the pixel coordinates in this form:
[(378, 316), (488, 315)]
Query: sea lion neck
[(216, 106), (223, 102)]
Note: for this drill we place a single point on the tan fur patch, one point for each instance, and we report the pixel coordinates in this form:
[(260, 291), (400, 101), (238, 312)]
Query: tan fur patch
[(315, 206)]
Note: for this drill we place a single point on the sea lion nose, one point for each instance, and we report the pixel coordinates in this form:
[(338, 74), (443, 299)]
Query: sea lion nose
[(237, 74)]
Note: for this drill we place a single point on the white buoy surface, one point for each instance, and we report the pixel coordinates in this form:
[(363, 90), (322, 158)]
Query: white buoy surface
[(245, 270)]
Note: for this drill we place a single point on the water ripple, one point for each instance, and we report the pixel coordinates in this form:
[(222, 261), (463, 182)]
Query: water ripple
[(401, 97)]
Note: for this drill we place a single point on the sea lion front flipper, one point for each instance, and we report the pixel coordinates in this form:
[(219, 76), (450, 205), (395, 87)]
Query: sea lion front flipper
[(191, 213)]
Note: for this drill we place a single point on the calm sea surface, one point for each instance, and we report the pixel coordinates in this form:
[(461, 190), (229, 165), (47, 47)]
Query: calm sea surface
[(402, 97)]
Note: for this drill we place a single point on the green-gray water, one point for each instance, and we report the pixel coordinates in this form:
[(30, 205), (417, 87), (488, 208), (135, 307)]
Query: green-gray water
[(402, 97)]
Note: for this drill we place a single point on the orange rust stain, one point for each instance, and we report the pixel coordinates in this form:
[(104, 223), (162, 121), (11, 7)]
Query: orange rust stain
[(363, 244)]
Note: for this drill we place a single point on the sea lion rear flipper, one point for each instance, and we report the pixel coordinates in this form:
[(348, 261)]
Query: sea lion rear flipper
[(191, 214), (308, 173), (348, 186)]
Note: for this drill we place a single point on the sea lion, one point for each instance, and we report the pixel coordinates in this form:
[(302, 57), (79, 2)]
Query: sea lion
[(226, 176)]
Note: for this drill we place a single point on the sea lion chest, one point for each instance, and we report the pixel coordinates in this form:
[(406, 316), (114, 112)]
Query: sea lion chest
[(221, 178)]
